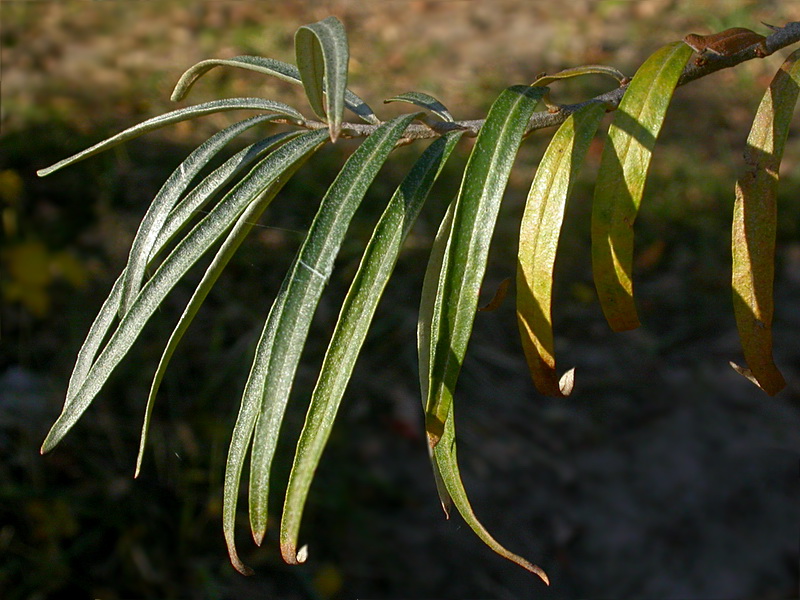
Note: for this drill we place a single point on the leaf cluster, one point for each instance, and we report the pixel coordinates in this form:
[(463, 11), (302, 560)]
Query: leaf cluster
[(234, 195)]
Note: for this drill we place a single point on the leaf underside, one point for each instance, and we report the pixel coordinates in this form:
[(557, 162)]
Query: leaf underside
[(754, 227)]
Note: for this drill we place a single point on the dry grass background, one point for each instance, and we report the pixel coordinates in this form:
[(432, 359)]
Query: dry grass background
[(663, 477)]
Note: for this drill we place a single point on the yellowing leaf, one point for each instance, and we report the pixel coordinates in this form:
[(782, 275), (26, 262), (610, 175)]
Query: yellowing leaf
[(754, 225), (620, 182)]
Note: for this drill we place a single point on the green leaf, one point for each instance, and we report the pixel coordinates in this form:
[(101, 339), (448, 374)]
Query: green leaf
[(477, 205), (578, 71), (271, 379), (165, 200), (322, 57), (266, 178), (269, 66), (620, 182), (425, 101), (229, 247), (753, 232), (175, 116), (177, 220), (429, 315), (447, 462), (355, 317), (538, 241)]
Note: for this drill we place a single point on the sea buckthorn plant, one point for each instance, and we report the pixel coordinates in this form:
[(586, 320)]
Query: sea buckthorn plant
[(172, 237)]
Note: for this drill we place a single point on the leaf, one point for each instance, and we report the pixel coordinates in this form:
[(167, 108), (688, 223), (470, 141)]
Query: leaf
[(620, 182), (322, 56), (176, 221), (271, 380), (477, 205), (175, 116), (429, 315), (538, 241), (270, 66), (463, 266), (165, 200), (578, 71), (446, 460), (753, 232), (235, 238), (355, 317), (265, 178), (425, 101)]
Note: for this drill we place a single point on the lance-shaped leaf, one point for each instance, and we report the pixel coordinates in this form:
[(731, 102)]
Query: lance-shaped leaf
[(322, 57), (447, 463), (177, 220), (271, 382), (265, 178), (163, 203), (429, 314), (229, 247), (477, 206), (269, 66), (755, 216), (425, 101), (538, 241), (348, 336), (579, 71), (620, 182), (175, 116)]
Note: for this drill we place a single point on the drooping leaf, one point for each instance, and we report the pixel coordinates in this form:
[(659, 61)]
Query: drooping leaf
[(477, 206), (265, 178), (453, 310), (269, 66), (176, 221), (322, 56), (755, 216), (175, 116), (620, 182), (428, 321), (271, 381), (425, 101), (165, 200), (447, 463), (355, 317), (538, 241), (229, 247)]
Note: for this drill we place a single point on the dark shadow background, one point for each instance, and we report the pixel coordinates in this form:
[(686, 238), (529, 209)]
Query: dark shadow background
[(665, 475)]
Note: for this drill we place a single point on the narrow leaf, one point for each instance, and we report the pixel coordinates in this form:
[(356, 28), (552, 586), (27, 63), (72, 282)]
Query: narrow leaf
[(176, 221), (477, 205), (538, 241), (355, 317), (447, 462), (425, 101), (428, 321), (259, 181), (578, 71), (755, 216), (271, 382), (269, 66), (182, 114), (322, 56), (235, 238), (620, 182), (165, 200)]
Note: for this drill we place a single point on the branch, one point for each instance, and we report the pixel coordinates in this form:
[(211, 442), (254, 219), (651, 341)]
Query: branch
[(781, 38)]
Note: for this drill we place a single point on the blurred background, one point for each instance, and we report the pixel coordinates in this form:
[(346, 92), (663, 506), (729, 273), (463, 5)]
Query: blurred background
[(665, 475)]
